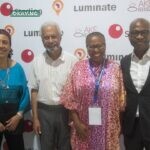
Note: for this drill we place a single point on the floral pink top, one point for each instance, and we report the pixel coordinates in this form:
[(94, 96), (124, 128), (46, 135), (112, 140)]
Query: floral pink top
[(78, 95)]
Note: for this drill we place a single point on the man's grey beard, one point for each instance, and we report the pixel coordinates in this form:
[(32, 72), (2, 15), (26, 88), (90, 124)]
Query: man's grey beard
[(49, 49), (52, 48)]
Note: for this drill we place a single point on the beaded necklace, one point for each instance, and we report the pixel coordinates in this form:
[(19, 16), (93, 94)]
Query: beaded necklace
[(4, 81)]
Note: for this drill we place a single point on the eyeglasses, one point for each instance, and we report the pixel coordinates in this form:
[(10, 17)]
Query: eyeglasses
[(142, 33), (100, 47)]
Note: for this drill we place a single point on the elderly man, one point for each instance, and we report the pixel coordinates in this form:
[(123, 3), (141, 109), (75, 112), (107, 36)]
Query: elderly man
[(136, 72), (48, 76)]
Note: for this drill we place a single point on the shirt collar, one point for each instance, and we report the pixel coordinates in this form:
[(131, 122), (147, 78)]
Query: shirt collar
[(61, 57), (147, 54)]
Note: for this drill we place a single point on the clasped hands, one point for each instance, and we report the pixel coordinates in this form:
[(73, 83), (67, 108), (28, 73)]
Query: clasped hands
[(11, 124)]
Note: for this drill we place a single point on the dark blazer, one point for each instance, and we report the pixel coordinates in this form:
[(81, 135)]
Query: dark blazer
[(134, 99)]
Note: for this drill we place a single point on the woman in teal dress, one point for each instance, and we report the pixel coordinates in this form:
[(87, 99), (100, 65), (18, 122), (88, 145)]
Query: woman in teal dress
[(14, 95)]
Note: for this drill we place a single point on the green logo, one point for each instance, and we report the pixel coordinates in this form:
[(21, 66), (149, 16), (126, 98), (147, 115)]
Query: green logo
[(26, 13)]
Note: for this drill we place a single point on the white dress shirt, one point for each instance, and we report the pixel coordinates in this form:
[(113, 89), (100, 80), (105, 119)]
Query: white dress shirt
[(49, 76), (139, 71)]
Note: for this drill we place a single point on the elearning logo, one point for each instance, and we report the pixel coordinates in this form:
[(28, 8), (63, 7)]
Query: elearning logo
[(7, 9), (140, 6)]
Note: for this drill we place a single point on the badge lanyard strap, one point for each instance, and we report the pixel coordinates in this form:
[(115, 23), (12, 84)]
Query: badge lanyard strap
[(97, 81)]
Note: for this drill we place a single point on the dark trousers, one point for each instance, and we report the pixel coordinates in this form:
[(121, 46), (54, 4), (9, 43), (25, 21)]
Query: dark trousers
[(54, 127), (14, 142), (14, 139), (136, 140)]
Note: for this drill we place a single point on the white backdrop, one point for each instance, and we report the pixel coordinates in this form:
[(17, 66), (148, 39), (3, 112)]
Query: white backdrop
[(77, 18)]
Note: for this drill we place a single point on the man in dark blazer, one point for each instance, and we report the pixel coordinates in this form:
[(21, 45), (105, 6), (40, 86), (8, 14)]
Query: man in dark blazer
[(136, 73)]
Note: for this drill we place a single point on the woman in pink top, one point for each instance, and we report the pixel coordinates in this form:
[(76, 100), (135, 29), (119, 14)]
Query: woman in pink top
[(95, 96)]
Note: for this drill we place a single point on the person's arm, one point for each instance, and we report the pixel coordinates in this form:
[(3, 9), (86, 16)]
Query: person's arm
[(81, 128), (12, 123), (36, 122), (34, 93), (34, 86), (25, 98), (122, 97)]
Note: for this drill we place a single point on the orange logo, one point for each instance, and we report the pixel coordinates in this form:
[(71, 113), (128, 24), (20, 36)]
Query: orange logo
[(58, 6), (80, 53), (10, 29)]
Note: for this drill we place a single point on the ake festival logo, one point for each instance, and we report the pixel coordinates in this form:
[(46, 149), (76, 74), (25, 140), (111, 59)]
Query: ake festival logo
[(139, 6)]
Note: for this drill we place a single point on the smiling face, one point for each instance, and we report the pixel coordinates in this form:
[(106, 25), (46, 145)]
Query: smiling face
[(96, 48), (5, 47), (139, 35), (51, 37)]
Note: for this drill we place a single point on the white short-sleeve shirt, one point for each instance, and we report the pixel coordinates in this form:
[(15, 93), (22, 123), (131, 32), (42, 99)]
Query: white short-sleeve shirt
[(49, 76)]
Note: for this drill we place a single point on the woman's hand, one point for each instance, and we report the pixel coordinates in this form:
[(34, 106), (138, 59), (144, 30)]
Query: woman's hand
[(12, 123), (82, 130), (2, 127)]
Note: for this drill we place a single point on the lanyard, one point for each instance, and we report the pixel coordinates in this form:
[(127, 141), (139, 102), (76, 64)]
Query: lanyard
[(97, 81)]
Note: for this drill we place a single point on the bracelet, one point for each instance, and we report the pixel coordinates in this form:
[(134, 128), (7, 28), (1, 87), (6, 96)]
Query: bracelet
[(19, 114)]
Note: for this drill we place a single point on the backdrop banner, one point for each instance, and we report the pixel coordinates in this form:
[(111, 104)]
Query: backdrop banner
[(77, 18)]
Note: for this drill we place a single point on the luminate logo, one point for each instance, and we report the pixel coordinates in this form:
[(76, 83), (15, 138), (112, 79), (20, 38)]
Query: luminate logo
[(89, 8)]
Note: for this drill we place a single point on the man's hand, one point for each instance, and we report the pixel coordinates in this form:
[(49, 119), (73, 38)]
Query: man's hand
[(36, 126)]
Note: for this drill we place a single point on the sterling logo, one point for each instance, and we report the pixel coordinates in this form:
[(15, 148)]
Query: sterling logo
[(141, 6), (115, 31), (26, 13), (7, 9), (27, 55)]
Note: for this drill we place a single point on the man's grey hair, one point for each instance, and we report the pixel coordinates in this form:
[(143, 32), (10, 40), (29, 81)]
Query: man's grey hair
[(50, 23)]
